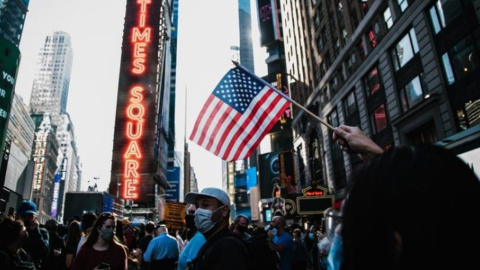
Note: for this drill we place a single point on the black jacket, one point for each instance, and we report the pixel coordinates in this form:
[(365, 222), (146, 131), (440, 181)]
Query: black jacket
[(224, 251)]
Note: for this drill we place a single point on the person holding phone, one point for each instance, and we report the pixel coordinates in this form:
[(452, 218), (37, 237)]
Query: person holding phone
[(101, 249), (37, 243)]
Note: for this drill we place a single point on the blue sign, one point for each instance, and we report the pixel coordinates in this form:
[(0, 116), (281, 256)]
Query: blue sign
[(173, 176), (251, 177)]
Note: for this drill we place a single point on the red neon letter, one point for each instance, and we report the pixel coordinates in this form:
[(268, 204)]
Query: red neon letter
[(133, 149)]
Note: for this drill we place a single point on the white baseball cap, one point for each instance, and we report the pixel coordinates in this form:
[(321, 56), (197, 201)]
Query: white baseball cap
[(212, 192)]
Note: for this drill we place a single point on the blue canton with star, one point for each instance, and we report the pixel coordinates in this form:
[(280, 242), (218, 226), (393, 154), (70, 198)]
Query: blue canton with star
[(237, 89)]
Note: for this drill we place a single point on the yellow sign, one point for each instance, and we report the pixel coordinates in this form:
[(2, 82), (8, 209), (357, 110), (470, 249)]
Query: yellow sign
[(174, 212)]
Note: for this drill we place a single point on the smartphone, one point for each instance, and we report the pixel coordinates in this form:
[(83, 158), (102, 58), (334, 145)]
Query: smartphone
[(103, 266)]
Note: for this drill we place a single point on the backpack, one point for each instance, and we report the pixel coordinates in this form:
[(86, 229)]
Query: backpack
[(262, 257)]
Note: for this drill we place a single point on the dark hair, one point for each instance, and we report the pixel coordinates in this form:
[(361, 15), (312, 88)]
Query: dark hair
[(150, 227), (51, 225), (10, 231), (401, 207), (237, 218), (94, 234), (88, 219), (74, 233)]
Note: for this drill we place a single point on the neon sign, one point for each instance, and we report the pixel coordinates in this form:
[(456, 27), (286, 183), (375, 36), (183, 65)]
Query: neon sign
[(135, 110)]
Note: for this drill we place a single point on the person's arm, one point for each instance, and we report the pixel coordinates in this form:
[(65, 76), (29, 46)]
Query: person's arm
[(354, 140), (147, 256), (68, 260)]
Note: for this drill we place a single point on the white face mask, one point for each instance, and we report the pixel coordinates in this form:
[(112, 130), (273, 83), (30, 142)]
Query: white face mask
[(203, 219)]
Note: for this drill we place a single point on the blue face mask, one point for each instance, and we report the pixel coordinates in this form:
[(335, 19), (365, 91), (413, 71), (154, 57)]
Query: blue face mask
[(311, 236)]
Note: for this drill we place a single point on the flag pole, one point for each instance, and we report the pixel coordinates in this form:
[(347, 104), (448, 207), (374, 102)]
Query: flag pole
[(286, 97)]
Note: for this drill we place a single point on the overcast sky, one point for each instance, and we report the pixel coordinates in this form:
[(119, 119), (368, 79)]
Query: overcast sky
[(207, 29)]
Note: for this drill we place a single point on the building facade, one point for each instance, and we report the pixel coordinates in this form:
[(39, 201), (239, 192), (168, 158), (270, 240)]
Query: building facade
[(403, 71)]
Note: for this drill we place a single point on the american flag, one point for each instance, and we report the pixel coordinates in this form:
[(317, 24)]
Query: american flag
[(237, 115)]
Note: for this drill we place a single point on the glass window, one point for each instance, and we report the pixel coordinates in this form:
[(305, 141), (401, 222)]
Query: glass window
[(469, 114), (378, 119), (412, 93), (403, 4), (350, 104), (405, 50), (447, 67), (444, 12), (372, 82), (461, 60)]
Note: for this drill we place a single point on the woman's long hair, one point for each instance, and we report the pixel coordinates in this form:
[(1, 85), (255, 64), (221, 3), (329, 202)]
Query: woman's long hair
[(94, 234), (74, 233)]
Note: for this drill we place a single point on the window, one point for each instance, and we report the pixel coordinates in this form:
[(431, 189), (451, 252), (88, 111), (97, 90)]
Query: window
[(378, 119), (337, 154), (350, 104), (412, 93), (462, 59), (405, 50), (372, 81), (469, 114), (403, 4), (444, 12)]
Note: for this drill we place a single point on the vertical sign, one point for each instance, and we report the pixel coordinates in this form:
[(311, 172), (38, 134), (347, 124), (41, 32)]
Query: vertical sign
[(9, 58), (133, 147), (56, 188), (173, 176)]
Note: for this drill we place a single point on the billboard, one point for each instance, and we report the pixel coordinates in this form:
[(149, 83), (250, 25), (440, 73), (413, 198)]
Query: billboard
[(134, 135), (9, 58)]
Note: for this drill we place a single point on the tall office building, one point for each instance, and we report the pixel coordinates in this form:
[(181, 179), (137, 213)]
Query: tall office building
[(49, 98), (12, 18), (52, 76), (245, 31)]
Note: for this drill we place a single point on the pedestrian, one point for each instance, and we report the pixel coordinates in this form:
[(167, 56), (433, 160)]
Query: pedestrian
[(300, 254), (281, 241), (401, 203), (143, 245), (88, 219), (37, 242), (56, 256), (194, 241), (101, 249), (12, 255), (223, 249), (73, 237), (163, 251), (240, 226)]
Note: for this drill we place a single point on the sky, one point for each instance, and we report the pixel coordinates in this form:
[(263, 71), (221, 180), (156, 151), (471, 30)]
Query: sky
[(206, 31)]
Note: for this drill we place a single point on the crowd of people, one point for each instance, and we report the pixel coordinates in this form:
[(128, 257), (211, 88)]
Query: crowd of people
[(401, 208)]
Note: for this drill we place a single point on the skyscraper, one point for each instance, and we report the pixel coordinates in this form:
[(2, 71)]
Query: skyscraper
[(52, 76), (49, 98)]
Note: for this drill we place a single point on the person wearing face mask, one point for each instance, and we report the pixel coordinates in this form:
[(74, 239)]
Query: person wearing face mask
[(223, 249), (281, 241), (193, 244), (240, 227), (101, 249)]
